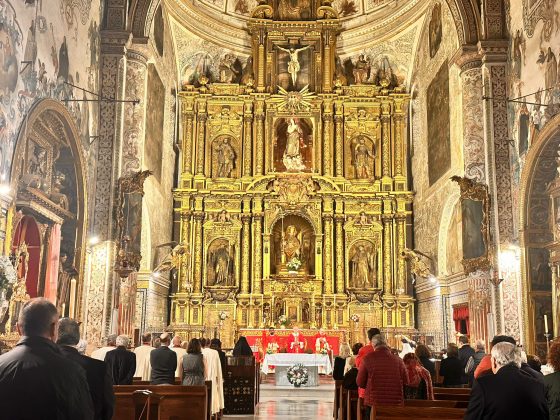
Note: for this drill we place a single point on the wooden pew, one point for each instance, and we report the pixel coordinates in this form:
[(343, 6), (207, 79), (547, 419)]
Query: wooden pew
[(442, 390), (174, 402), (337, 401), (417, 413), (452, 397), (436, 403)]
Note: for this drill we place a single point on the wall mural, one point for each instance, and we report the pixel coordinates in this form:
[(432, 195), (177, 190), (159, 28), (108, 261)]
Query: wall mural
[(439, 141), (39, 52), (155, 105), (435, 30)]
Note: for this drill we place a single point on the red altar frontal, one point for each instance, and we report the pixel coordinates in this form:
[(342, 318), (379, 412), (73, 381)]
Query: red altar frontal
[(257, 338)]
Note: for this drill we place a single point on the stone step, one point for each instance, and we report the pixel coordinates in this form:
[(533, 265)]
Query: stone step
[(323, 392)]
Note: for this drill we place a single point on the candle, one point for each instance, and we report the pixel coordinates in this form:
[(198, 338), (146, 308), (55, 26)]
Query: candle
[(72, 308), (546, 324), (63, 309)]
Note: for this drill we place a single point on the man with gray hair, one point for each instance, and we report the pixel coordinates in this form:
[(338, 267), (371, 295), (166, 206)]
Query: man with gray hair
[(474, 360), (100, 384), (508, 393), (121, 363), (100, 353), (36, 380)]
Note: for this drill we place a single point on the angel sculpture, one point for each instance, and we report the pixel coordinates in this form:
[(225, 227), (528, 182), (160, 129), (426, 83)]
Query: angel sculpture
[(174, 259), (418, 267), (293, 65)]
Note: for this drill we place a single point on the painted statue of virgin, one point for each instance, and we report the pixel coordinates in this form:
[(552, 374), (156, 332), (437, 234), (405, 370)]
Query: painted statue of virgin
[(292, 158)]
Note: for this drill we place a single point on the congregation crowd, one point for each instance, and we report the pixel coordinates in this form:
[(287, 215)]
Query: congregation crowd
[(47, 376), (506, 383)]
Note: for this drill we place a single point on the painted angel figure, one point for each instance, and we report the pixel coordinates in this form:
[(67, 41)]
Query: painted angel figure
[(293, 65)]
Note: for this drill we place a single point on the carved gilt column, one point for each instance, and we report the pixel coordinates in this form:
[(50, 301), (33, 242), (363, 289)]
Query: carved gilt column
[(327, 139), (197, 269), (257, 253), (187, 111), (338, 141), (398, 122), (339, 238), (387, 254), (245, 253), (386, 140), (259, 138), (401, 263), (184, 270), (248, 139), (201, 137), (327, 254)]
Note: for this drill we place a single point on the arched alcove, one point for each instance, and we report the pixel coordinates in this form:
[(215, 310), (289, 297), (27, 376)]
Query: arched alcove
[(48, 181), (537, 236)]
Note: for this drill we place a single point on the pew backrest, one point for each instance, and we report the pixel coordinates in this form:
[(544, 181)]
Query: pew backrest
[(391, 412), (176, 402)]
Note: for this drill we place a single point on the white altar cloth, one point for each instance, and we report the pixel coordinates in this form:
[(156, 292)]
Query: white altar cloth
[(289, 359)]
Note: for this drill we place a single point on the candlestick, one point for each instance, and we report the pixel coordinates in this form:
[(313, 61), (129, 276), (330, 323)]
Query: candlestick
[(545, 324)]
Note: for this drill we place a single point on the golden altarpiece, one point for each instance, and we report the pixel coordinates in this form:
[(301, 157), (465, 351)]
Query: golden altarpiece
[(293, 198)]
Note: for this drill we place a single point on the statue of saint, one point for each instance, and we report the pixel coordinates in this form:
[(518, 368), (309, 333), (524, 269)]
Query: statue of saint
[(291, 245), (293, 9), (226, 158), (293, 65), (363, 159), (292, 158), (220, 262), (363, 267), (361, 70)]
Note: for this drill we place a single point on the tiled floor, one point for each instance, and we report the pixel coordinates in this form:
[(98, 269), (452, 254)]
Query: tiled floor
[(287, 403)]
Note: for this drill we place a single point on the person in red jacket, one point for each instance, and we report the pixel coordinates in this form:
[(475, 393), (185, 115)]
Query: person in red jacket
[(383, 375), (364, 351)]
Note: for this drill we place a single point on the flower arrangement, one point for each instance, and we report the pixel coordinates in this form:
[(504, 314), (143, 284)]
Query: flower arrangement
[(355, 318), (294, 264), (298, 375), (283, 321), (8, 275)]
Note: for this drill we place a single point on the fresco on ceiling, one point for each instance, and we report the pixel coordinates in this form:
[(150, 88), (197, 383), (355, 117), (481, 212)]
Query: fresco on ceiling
[(40, 54), (439, 141), (435, 30)]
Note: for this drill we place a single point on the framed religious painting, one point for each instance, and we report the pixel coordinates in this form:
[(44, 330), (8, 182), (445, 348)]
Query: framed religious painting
[(474, 218)]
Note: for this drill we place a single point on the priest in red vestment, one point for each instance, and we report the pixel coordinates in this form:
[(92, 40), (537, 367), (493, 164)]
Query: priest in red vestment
[(295, 342)]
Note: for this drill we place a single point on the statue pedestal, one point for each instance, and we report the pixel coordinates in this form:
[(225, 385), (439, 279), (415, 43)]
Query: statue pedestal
[(285, 271)]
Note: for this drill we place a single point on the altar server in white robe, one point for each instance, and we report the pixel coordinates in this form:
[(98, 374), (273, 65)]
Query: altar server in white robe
[(213, 372), (143, 366)]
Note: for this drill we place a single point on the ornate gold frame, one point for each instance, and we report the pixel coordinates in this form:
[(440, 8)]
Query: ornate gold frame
[(475, 191)]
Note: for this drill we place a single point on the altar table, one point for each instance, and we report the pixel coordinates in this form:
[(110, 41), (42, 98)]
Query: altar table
[(289, 359)]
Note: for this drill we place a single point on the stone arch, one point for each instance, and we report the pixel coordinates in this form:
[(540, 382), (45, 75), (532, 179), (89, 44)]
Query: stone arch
[(59, 197), (535, 230), (467, 20)]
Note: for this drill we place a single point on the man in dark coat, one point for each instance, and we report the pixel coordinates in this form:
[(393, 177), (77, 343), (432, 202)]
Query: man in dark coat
[(100, 384), (164, 362), (121, 363), (216, 344), (465, 353), (36, 381), (508, 393)]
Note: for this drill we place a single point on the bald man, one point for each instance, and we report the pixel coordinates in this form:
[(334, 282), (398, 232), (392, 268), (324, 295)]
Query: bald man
[(164, 362), (36, 381), (180, 352)]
